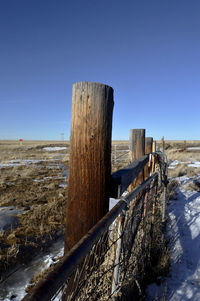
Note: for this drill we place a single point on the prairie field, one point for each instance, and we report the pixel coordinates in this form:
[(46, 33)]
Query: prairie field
[(33, 180), (33, 184), (183, 157)]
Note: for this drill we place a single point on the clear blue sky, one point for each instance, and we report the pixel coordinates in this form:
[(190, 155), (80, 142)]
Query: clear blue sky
[(147, 50)]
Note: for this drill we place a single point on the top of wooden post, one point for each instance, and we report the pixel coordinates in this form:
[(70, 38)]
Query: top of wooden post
[(84, 85), (148, 145)]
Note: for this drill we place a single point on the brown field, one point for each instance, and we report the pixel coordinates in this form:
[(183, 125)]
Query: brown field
[(177, 152), (33, 191), (32, 197)]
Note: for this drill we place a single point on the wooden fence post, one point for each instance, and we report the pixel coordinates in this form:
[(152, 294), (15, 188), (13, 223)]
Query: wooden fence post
[(137, 150), (184, 145), (163, 144), (154, 146), (148, 150), (153, 159), (115, 154), (148, 145), (90, 159)]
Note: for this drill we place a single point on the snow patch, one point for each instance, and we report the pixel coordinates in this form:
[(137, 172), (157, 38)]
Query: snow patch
[(194, 164), (20, 162), (190, 163), (193, 148), (54, 148)]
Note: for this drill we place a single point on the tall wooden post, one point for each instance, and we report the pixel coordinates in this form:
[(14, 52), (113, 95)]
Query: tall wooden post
[(90, 159), (137, 150), (148, 150)]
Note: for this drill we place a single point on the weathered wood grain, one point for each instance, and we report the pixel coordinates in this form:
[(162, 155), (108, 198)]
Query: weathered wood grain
[(90, 159), (137, 150)]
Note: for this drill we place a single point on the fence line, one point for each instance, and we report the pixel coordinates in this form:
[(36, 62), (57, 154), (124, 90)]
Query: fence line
[(123, 150), (97, 271), (121, 155), (106, 253), (125, 176)]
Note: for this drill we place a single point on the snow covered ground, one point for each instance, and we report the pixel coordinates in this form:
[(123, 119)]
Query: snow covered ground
[(183, 230)]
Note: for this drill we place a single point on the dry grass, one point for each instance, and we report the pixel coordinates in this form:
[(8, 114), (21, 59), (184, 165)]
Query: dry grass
[(35, 188), (44, 202), (184, 157), (194, 185), (171, 189), (160, 257), (120, 142), (184, 170)]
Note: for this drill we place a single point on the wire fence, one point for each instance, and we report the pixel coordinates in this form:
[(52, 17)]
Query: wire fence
[(109, 262), (120, 154)]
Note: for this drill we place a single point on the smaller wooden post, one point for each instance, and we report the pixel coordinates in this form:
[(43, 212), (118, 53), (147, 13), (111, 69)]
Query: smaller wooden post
[(154, 147), (115, 153), (163, 144), (148, 145), (137, 150), (148, 150), (185, 145), (153, 158)]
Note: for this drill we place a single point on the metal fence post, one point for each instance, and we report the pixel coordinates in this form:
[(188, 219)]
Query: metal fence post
[(165, 183), (119, 227), (90, 159)]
